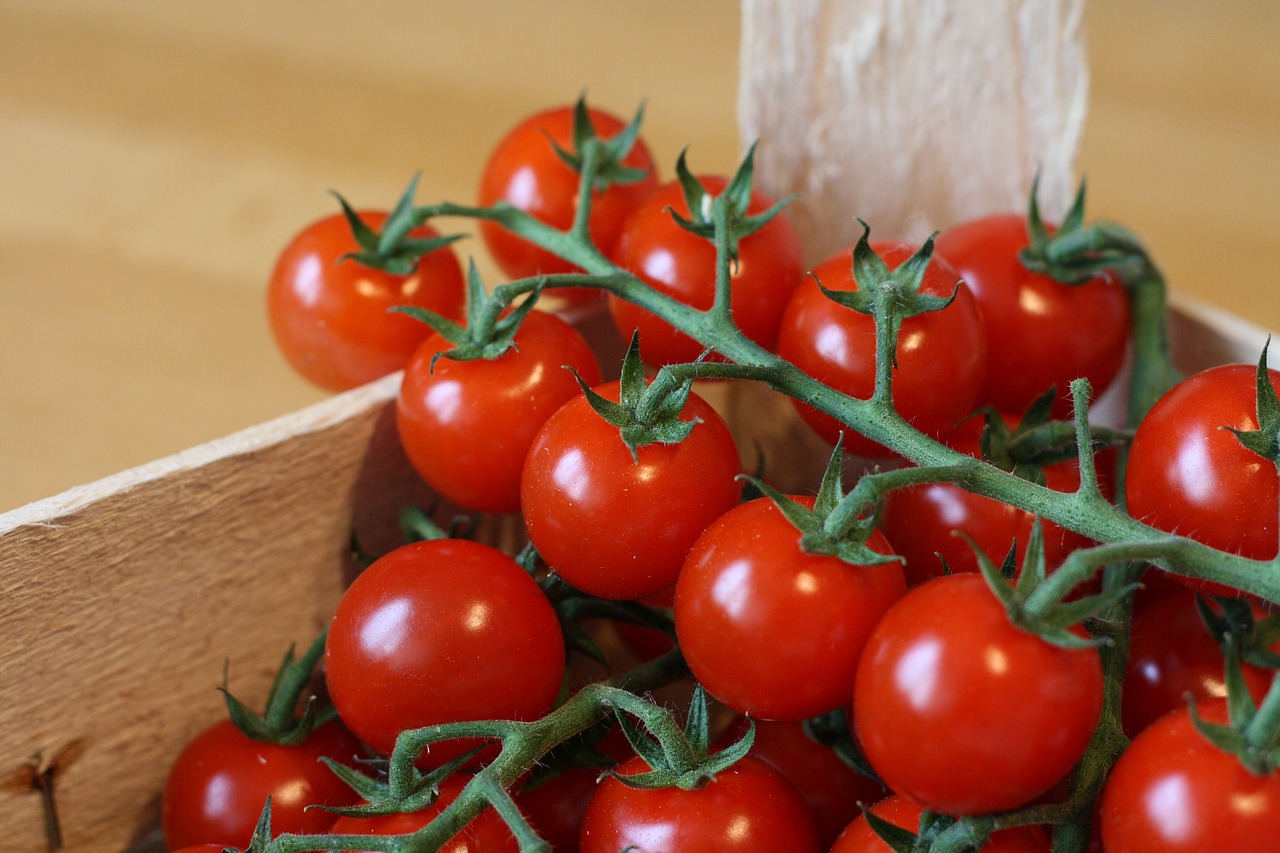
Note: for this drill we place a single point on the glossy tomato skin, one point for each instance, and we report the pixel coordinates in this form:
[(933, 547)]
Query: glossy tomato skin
[(831, 788), (746, 587), (859, 837), (683, 266), (746, 808), (1040, 333), (487, 833), (467, 426), (1173, 656), (617, 527), (331, 318), (441, 631), (942, 355), (964, 713), (525, 171), (921, 522), (1173, 791), (1188, 475), (220, 782)]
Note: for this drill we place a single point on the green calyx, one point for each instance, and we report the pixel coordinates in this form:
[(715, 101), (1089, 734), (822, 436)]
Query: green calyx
[(1252, 731), (934, 831), (610, 168), (379, 797), (1053, 623), (736, 197), (834, 527), (645, 413), (678, 759), (490, 329), (1076, 253), (280, 722), (1232, 621), (1265, 440), (832, 731), (392, 249)]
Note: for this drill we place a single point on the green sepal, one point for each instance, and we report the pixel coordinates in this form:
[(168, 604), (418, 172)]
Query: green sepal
[(377, 795), (899, 840), (279, 723), (610, 169), (1054, 624), (1076, 253), (261, 837), (1265, 440), (826, 529), (832, 731), (698, 767), (1252, 733), (645, 413), (391, 249), (489, 331), (736, 196), (1237, 622)]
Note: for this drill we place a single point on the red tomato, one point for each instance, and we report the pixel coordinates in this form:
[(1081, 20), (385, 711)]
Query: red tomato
[(744, 809), (744, 591), (1172, 656), (556, 807), (941, 354), (1172, 790), (683, 266), (487, 833), (1040, 333), (525, 171), (467, 425), (859, 837), (922, 522), (220, 782), (964, 713), (831, 788), (331, 317), (442, 631), (613, 526), (1188, 475)]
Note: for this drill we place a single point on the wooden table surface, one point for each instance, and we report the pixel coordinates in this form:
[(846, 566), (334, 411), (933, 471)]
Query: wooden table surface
[(155, 156)]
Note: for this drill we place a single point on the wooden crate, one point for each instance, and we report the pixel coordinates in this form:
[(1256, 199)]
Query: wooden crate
[(121, 600)]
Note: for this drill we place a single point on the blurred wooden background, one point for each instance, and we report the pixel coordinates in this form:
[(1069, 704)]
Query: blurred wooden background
[(155, 156)]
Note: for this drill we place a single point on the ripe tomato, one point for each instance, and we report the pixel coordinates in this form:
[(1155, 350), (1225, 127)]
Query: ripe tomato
[(331, 317), (859, 837), (921, 522), (467, 426), (487, 833), (831, 788), (964, 713), (745, 587), (1173, 790), (442, 631), (1172, 656), (744, 809), (525, 171), (619, 527), (1040, 333), (556, 807), (220, 782), (1188, 475), (683, 266), (941, 354)]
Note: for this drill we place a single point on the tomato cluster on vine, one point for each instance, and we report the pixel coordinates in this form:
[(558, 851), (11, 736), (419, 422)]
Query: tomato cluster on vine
[(924, 649)]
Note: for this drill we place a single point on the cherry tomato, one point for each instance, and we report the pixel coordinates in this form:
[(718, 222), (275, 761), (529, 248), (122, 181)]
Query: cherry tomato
[(619, 527), (1040, 333), (859, 837), (1188, 475), (442, 631), (331, 317), (941, 354), (964, 713), (1173, 790), (744, 809), (683, 266), (487, 833), (1172, 656), (747, 585), (922, 522), (831, 788), (220, 782), (467, 426), (525, 171)]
